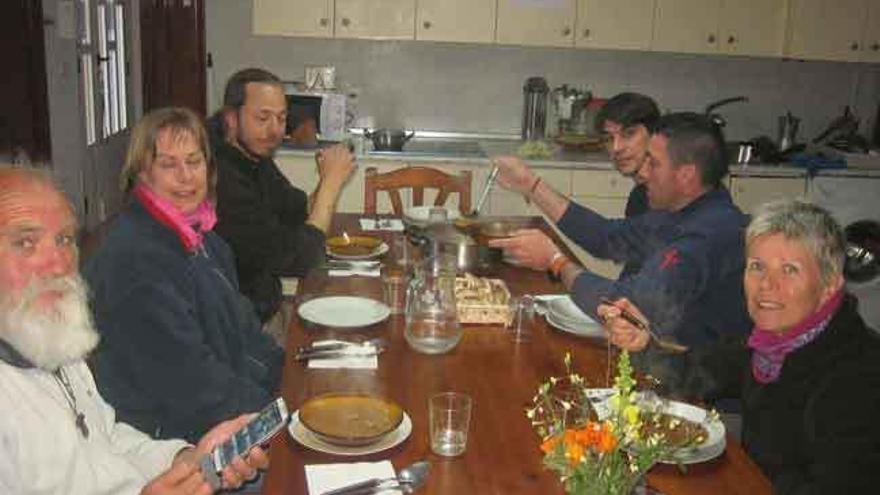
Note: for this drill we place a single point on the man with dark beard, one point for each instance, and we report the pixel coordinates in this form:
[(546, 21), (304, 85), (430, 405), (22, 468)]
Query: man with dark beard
[(269, 223), (57, 435)]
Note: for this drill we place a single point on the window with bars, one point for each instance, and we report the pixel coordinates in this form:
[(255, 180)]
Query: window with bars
[(102, 62)]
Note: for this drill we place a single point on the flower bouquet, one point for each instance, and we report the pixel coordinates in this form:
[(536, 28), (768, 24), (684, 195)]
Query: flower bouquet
[(607, 456)]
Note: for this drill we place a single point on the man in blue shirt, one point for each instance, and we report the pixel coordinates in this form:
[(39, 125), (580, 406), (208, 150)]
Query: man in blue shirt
[(689, 246)]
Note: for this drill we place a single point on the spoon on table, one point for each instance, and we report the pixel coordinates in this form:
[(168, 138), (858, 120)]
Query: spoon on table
[(645, 327), (408, 480)]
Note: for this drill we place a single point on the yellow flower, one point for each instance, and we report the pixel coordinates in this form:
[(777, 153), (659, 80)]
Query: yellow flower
[(631, 414)]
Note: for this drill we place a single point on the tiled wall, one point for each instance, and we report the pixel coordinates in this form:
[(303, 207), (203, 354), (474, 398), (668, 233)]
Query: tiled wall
[(479, 88)]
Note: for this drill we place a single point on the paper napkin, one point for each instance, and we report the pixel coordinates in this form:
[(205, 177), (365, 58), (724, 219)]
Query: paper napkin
[(325, 477), (388, 224)]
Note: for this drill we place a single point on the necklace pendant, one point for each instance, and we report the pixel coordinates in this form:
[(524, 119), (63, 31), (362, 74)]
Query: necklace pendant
[(81, 425)]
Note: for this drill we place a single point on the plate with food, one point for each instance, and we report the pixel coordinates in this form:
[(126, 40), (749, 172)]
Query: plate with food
[(356, 247), (350, 424), (344, 311), (699, 432)]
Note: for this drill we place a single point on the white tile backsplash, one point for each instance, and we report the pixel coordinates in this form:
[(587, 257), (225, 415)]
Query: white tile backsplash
[(478, 88)]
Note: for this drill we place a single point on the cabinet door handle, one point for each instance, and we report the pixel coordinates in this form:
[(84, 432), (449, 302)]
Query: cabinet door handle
[(427, 24), (875, 46), (324, 21), (345, 21), (566, 31), (711, 38), (587, 33), (731, 39), (854, 46)]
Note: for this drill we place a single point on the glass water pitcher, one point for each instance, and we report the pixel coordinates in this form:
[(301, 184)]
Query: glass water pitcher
[(431, 318)]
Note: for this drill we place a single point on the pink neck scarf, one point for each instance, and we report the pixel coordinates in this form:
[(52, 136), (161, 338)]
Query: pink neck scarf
[(771, 348), (190, 228)]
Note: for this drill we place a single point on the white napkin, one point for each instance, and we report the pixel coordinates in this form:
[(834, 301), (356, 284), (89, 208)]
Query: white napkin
[(325, 477), (347, 362), (363, 271), (389, 224), (289, 285)]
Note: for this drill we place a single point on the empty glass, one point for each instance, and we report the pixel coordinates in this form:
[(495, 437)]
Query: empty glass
[(522, 318), (394, 285), (449, 420)]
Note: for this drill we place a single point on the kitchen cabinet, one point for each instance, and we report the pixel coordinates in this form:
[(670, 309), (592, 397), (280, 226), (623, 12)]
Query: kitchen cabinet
[(871, 39), (536, 22), (752, 27), (455, 20), (309, 18), (732, 27), (750, 191), (827, 29), (617, 24), (375, 19), (687, 26)]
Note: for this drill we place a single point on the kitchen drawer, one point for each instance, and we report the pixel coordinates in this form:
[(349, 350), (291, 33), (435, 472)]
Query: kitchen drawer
[(603, 183), (503, 203), (558, 179), (607, 207)]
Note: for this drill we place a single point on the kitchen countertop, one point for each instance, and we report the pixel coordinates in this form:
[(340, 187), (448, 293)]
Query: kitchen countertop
[(478, 151)]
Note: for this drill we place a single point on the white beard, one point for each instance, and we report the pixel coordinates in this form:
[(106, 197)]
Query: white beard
[(55, 337)]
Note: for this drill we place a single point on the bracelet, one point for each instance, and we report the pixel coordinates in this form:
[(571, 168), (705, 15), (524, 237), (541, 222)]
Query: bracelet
[(557, 262), (528, 195)]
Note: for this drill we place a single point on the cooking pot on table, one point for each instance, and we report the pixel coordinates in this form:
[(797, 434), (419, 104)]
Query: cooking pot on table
[(444, 240), (389, 139)]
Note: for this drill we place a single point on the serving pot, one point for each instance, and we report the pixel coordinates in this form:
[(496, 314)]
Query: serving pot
[(389, 139), (444, 240)]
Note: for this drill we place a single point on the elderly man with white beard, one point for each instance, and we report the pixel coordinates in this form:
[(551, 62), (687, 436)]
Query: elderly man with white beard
[(57, 435)]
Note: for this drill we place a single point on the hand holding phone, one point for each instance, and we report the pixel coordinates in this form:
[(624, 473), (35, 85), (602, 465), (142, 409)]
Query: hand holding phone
[(257, 431)]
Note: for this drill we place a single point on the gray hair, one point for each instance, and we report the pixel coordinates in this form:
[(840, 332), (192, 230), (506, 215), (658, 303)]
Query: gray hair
[(805, 222)]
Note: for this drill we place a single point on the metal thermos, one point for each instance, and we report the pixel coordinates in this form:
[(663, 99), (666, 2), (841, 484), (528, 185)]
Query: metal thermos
[(534, 119)]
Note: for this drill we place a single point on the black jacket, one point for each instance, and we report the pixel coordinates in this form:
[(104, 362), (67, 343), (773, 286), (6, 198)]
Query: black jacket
[(181, 349), (816, 429), (262, 217)]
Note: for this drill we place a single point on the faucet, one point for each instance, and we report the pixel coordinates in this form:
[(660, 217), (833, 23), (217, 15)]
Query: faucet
[(717, 118)]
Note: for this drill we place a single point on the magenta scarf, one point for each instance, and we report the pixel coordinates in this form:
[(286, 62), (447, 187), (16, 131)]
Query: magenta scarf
[(771, 348), (190, 228)]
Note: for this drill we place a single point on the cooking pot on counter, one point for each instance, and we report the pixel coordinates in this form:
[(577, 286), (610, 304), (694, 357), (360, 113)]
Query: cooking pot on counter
[(389, 139)]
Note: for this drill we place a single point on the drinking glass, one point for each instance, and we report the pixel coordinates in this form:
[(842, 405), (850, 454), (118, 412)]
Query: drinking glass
[(522, 318), (394, 285), (449, 419)]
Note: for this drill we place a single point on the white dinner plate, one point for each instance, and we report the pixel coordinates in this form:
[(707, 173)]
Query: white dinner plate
[(715, 442), (309, 440), (419, 214), (592, 331), (343, 311), (379, 251)]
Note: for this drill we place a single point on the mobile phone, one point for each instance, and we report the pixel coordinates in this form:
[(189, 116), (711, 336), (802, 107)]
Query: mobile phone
[(258, 431)]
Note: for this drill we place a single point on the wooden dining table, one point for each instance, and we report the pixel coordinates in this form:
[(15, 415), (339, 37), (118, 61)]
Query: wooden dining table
[(499, 373)]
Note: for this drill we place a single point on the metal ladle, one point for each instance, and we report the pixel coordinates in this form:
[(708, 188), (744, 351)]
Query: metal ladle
[(484, 194)]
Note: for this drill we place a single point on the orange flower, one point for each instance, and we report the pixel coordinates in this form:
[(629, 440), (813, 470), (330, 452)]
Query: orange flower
[(574, 452), (607, 440), (588, 436), (550, 444)]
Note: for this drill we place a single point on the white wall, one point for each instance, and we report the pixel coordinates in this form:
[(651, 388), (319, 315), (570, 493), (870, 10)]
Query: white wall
[(478, 88)]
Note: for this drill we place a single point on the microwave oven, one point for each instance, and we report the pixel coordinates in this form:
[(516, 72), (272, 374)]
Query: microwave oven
[(327, 110)]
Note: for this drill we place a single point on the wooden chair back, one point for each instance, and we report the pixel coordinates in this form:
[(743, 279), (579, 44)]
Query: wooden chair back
[(417, 179)]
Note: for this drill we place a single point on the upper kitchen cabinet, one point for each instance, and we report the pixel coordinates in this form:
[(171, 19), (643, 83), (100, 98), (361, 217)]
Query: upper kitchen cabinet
[(687, 26), (293, 18), (536, 22), (871, 40), (618, 24), (732, 27), (827, 29), (752, 27), (377, 19), (455, 20)]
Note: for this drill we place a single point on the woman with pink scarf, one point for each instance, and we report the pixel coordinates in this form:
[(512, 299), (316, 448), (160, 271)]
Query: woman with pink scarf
[(808, 376), (181, 348)]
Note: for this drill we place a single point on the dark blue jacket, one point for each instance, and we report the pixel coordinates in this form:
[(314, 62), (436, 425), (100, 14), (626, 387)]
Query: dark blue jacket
[(690, 282), (181, 349)]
